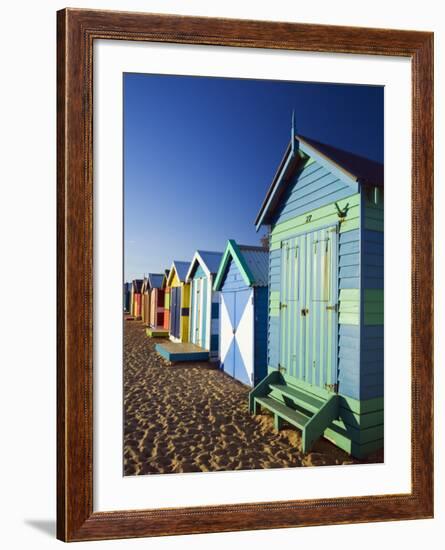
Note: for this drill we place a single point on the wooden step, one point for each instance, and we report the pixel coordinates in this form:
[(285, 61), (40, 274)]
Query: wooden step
[(296, 418), (301, 398)]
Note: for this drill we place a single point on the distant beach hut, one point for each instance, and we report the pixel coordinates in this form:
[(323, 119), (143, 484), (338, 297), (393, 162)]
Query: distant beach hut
[(145, 297), (127, 297), (242, 281), (156, 328), (324, 209), (179, 301), (165, 287), (135, 305), (204, 301)]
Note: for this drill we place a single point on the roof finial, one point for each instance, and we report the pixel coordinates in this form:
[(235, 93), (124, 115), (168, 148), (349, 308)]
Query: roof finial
[(293, 132)]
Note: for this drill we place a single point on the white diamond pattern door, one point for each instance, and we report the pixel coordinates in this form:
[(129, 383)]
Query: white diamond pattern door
[(227, 332), (244, 337)]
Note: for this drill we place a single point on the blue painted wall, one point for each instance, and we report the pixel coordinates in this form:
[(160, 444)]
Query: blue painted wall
[(261, 297), (273, 336), (232, 280), (372, 335), (312, 186), (199, 272)]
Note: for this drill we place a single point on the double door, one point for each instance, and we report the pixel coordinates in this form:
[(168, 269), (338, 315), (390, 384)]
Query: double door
[(237, 334), (308, 307)]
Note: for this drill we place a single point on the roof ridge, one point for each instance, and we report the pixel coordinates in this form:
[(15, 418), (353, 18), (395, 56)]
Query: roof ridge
[(308, 140), (252, 247)]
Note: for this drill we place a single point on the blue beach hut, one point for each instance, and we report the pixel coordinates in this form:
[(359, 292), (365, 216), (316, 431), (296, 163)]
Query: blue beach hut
[(204, 301), (324, 211), (127, 297), (242, 281)]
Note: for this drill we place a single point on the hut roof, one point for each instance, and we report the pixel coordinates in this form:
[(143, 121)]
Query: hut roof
[(180, 268), (353, 167), (145, 285), (252, 262), (137, 285), (155, 280), (165, 278), (209, 261)]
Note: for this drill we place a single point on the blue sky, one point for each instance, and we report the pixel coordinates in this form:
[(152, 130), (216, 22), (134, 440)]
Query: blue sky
[(200, 154)]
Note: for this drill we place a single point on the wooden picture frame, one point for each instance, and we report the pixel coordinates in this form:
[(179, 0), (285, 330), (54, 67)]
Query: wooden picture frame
[(77, 31)]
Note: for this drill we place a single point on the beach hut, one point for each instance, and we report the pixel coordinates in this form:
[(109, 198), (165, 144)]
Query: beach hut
[(178, 348), (145, 301), (135, 300), (156, 328), (127, 297), (204, 301), (242, 281), (165, 287), (179, 301), (324, 210)]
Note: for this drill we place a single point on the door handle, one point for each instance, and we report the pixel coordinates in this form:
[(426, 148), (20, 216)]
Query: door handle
[(304, 312)]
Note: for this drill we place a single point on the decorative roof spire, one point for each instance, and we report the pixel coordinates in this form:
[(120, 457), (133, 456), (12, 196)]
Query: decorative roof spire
[(294, 145)]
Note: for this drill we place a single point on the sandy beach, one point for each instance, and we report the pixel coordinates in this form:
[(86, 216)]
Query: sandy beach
[(191, 417)]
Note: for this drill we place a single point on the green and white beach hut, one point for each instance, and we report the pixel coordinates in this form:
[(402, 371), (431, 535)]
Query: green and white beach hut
[(324, 212), (242, 281)]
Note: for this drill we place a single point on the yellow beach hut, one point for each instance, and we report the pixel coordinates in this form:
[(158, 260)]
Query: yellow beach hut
[(179, 301)]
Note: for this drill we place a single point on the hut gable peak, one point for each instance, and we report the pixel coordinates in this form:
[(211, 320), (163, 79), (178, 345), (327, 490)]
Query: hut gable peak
[(137, 285), (208, 260), (349, 167), (179, 269), (252, 262), (155, 280)]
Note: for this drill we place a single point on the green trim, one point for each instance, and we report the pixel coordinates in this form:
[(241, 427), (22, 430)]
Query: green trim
[(274, 303), (374, 295), (352, 448), (349, 403), (374, 225), (362, 407), (319, 217), (349, 307), (349, 318), (232, 251), (349, 295)]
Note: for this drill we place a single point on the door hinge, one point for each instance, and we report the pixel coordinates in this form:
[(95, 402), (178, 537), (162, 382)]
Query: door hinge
[(282, 306), (332, 308)]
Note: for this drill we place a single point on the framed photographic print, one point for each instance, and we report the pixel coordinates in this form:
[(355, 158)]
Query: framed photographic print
[(244, 275)]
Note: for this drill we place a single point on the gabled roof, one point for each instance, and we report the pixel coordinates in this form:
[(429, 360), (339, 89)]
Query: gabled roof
[(155, 280), (252, 262), (209, 261), (165, 278), (180, 268), (137, 285), (361, 168), (350, 167), (145, 285)]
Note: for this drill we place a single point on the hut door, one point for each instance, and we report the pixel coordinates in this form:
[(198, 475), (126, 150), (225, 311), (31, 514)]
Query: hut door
[(227, 332), (308, 307), (175, 311), (236, 334), (199, 307)]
